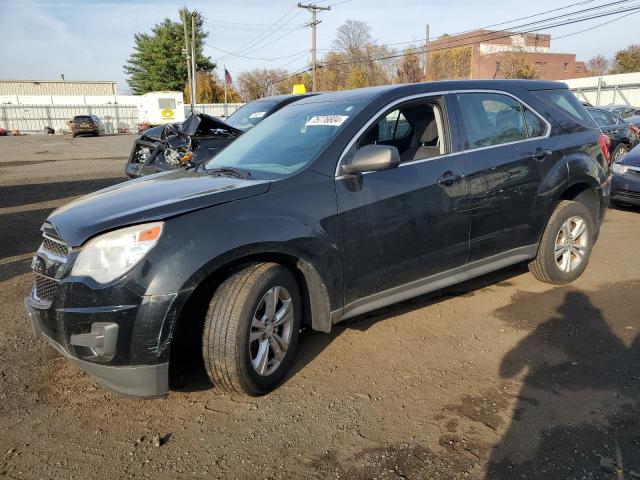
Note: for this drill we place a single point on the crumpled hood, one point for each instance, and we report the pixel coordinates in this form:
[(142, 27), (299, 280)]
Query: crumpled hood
[(145, 199)]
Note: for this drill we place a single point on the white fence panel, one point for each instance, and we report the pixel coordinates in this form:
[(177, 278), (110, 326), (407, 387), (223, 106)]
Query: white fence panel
[(620, 89), (117, 118)]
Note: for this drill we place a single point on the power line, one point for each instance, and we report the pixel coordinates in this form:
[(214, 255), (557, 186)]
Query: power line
[(596, 26), (257, 58), (265, 33), (518, 19), (488, 38)]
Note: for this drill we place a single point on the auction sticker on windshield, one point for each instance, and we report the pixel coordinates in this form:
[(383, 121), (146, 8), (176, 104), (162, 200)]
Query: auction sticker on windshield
[(257, 115), (327, 120)]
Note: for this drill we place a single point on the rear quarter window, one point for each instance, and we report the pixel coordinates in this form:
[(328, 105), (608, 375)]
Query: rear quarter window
[(566, 103)]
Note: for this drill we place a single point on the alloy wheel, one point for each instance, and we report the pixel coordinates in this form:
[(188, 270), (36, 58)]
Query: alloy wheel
[(271, 330), (571, 244)]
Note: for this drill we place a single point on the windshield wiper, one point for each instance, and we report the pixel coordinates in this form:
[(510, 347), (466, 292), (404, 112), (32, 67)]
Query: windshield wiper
[(231, 172)]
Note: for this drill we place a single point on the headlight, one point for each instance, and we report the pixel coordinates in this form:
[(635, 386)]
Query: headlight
[(619, 169), (112, 254)]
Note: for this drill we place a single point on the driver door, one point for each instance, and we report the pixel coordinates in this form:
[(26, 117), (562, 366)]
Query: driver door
[(403, 230)]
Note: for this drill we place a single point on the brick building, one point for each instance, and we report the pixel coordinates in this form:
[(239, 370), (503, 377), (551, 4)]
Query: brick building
[(489, 53)]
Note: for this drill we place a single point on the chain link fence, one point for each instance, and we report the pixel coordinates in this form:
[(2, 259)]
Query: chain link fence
[(116, 118), (34, 118)]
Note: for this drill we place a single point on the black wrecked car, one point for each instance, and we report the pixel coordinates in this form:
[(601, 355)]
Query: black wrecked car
[(332, 207), (625, 186), (198, 138), (622, 134)]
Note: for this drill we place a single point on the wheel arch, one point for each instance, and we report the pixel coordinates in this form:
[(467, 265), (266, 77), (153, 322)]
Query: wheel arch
[(313, 288)]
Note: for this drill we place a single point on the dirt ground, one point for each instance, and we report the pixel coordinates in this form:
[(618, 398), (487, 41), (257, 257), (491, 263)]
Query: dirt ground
[(502, 377)]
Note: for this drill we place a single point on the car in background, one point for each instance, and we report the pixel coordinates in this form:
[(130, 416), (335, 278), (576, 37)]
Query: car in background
[(625, 183), (634, 120), (198, 138), (623, 135), (86, 125), (623, 111)]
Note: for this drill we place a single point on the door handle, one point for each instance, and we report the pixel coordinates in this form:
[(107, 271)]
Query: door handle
[(449, 178), (540, 153)]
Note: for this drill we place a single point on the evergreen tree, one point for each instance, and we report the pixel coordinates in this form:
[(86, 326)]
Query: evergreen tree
[(158, 62)]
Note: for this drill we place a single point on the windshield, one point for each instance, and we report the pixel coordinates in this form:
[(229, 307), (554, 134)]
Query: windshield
[(250, 114), (288, 140)]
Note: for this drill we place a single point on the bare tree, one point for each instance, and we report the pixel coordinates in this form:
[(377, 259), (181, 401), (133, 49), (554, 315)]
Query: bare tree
[(262, 82), (598, 65), (352, 38)]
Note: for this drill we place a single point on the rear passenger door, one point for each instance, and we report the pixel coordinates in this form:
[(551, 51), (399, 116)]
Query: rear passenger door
[(507, 153)]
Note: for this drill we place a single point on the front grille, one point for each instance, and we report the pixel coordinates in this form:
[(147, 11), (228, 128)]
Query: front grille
[(48, 265), (628, 194), (57, 248), (45, 288)]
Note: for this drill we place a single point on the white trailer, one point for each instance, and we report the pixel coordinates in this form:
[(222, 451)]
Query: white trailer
[(160, 108)]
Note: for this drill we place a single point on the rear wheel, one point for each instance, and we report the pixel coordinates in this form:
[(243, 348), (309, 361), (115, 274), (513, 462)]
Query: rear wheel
[(620, 151), (566, 244), (251, 329)]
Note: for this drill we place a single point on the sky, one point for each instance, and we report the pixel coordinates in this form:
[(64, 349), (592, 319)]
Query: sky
[(92, 39)]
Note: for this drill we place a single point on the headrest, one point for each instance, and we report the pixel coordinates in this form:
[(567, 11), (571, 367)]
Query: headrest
[(430, 133), (508, 119)]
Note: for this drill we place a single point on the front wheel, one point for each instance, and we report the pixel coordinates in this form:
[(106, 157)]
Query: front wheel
[(251, 329), (565, 247)]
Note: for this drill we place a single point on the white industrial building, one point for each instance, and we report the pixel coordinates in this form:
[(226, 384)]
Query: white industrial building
[(58, 87)]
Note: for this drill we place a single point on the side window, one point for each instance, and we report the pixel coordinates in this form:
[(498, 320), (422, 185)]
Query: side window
[(612, 119), (567, 103), (393, 126), (492, 119), (599, 117), (416, 128), (535, 126)]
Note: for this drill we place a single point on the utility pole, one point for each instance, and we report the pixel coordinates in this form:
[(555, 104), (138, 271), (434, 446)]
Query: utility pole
[(186, 53), (194, 74), (426, 55), (314, 9)]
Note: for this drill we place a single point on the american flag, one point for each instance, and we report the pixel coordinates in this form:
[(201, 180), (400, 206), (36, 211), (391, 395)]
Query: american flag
[(227, 77)]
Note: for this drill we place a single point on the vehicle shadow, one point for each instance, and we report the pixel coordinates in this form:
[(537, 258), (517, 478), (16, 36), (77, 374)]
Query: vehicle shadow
[(313, 343), (578, 411), (20, 230), (18, 195), (189, 375)]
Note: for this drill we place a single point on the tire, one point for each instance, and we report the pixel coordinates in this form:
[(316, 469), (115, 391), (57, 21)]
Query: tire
[(576, 247), (228, 354), (620, 150)]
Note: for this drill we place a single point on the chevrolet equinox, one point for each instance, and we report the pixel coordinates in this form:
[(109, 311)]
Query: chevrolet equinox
[(336, 205)]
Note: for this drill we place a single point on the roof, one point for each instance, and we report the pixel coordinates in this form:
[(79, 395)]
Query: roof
[(287, 96), (367, 94)]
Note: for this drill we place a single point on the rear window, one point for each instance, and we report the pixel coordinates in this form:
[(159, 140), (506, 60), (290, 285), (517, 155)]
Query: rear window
[(82, 118), (567, 103)]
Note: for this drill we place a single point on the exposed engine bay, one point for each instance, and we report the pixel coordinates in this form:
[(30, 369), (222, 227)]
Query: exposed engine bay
[(179, 145)]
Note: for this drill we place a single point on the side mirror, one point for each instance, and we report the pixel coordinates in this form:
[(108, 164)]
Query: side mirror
[(372, 158)]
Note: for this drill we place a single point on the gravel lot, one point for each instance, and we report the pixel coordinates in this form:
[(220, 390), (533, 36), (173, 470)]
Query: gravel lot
[(502, 377)]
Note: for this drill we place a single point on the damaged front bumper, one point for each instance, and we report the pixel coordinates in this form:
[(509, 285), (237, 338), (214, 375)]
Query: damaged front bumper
[(124, 347)]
